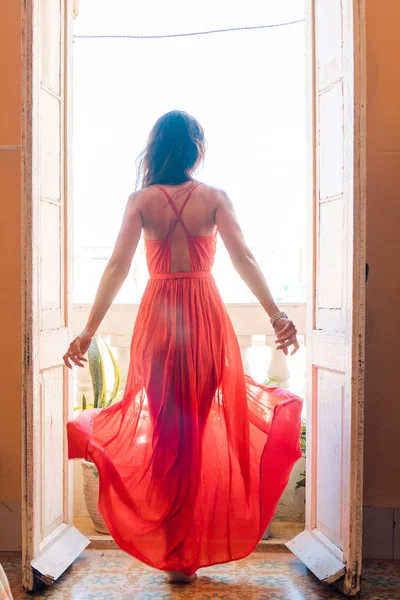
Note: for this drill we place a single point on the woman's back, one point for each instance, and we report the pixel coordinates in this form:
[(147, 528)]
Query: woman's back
[(179, 226)]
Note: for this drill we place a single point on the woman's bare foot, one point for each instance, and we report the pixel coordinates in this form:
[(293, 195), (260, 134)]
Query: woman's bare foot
[(180, 577)]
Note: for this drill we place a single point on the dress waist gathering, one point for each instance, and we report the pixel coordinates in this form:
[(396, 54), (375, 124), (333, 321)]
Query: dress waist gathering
[(181, 275)]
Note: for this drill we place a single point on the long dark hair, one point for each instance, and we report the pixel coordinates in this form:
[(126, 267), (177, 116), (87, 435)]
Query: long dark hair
[(174, 150)]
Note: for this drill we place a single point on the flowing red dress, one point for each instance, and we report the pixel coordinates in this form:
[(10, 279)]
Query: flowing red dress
[(194, 458)]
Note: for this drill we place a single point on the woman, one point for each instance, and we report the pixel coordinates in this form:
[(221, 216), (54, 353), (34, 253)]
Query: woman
[(195, 457)]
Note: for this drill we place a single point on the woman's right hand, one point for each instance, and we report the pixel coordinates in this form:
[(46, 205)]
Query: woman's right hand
[(77, 348), (286, 335)]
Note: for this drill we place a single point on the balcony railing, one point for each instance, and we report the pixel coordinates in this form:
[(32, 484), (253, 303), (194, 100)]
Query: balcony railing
[(255, 336)]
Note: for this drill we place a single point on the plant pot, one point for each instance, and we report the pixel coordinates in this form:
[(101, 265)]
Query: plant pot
[(91, 493), (267, 532)]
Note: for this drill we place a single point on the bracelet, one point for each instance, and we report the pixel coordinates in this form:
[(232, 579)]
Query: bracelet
[(278, 316)]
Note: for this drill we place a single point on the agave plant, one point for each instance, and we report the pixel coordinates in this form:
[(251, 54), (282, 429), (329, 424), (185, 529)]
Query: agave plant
[(271, 382), (103, 396)]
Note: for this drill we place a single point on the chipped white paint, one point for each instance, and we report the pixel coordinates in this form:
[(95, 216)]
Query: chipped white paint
[(57, 557), (331, 543), (321, 558), (47, 535)]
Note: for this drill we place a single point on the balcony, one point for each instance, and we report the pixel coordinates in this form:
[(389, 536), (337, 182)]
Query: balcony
[(260, 358)]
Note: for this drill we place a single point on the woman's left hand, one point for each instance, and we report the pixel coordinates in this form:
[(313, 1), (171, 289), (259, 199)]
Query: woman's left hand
[(286, 335), (77, 348)]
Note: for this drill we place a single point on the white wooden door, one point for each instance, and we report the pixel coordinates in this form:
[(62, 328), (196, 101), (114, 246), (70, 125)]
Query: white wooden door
[(50, 543), (330, 546)]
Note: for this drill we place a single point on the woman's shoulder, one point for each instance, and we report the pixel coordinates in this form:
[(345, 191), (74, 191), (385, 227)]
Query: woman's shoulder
[(215, 194), (143, 196)]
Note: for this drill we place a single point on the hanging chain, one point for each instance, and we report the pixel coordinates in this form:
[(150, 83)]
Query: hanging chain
[(191, 34)]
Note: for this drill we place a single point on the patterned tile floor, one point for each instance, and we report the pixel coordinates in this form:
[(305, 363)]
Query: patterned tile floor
[(113, 575)]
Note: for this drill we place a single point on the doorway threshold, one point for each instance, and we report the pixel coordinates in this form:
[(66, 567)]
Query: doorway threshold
[(281, 532)]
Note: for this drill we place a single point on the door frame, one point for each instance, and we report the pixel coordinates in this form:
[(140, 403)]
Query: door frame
[(31, 275)]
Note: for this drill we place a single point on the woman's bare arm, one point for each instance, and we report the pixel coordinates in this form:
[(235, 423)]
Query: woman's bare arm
[(112, 279), (241, 256), (247, 267)]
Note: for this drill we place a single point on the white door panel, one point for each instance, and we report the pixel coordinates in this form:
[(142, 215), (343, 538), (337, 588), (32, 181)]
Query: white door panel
[(50, 542), (331, 543)]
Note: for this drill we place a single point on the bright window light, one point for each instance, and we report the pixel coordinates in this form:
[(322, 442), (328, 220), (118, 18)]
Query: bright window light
[(247, 90)]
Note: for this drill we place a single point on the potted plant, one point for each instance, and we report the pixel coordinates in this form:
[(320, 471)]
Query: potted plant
[(104, 395), (302, 482)]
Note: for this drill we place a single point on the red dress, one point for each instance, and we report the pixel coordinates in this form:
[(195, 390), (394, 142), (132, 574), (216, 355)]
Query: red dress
[(193, 460)]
